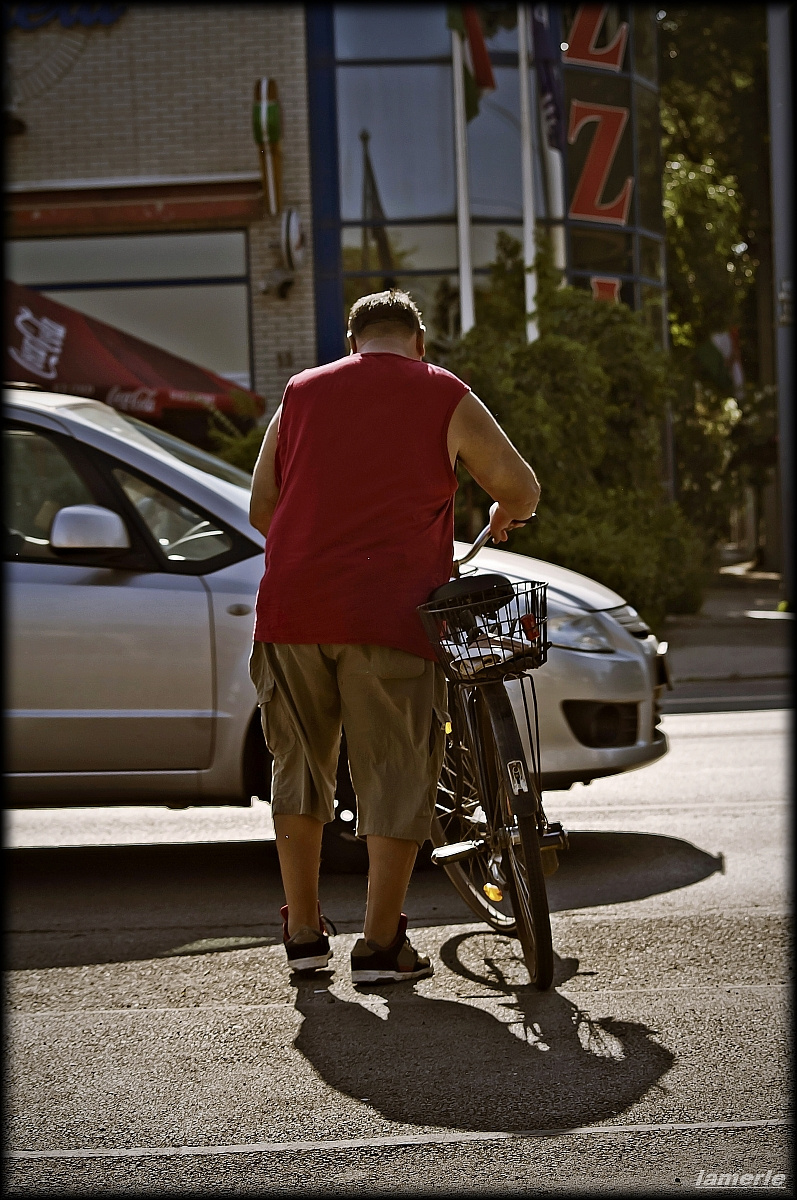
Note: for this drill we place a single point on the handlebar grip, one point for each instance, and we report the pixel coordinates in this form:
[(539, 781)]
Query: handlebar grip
[(481, 540)]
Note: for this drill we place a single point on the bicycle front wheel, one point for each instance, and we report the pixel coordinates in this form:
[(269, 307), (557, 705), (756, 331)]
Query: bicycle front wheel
[(530, 903), (521, 858)]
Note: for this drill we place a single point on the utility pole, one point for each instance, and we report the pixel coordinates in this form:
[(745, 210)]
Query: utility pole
[(527, 177), (782, 184), (466, 297)]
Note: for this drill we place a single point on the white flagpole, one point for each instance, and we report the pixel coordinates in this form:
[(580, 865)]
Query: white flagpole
[(527, 181), (556, 203), (466, 304), (553, 177)]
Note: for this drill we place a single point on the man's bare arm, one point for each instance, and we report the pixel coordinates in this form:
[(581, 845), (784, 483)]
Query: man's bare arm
[(265, 492), (476, 438)]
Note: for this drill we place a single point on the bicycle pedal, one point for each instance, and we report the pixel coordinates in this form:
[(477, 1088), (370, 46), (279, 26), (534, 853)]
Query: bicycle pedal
[(554, 838), (456, 852)]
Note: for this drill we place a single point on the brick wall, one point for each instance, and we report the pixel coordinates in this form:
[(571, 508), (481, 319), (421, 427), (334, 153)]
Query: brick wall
[(167, 91)]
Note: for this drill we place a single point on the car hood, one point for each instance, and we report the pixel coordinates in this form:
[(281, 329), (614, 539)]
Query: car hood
[(564, 586)]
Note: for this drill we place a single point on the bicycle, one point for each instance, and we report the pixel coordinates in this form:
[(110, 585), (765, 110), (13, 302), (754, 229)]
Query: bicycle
[(490, 830)]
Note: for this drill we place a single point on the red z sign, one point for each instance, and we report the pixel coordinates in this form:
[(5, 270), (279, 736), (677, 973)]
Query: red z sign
[(587, 204), (584, 34)]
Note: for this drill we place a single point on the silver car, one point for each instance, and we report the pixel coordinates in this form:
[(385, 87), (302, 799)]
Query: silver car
[(131, 575)]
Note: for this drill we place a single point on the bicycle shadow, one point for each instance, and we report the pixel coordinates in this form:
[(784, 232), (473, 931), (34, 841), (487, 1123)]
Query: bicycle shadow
[(616, 867), (437, 1062)]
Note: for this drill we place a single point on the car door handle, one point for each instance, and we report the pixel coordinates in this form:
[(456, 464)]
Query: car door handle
[(239, 610)]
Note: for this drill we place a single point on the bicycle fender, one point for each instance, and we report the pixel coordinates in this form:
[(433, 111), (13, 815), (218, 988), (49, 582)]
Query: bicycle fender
[(520, 785)]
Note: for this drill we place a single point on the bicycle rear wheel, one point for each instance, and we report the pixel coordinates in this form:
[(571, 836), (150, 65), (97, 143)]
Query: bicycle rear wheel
[(505, 762), (461, 815)]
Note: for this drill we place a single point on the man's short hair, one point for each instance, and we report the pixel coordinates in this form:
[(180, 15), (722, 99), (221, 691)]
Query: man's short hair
[(389, 309)]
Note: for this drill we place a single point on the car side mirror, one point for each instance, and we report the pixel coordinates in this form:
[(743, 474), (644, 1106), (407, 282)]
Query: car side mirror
[(88, 527)]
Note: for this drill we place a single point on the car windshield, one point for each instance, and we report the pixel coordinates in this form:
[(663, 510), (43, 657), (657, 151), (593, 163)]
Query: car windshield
[(134, 430)]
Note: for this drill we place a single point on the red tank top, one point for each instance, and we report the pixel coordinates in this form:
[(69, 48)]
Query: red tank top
[(363, 529)]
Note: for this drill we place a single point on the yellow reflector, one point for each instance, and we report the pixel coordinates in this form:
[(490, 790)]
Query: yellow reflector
[(492, 892), (448, 726)]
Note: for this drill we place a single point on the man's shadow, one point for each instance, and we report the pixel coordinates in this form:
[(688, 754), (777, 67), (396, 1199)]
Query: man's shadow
[(452, 1064)]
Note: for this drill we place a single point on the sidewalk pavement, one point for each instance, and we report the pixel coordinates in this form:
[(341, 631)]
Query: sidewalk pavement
[(736, 652)]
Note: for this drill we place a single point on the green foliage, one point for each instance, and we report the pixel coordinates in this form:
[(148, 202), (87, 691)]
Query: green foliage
[(704, 421), (702, 210), (584, 405), (633, 542), (239, 449), (236, 441), (754, 437), (717, 210), (704, 407), (715, 141)]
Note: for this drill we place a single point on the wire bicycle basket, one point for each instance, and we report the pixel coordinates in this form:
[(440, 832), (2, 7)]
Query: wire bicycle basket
[(491, 630)]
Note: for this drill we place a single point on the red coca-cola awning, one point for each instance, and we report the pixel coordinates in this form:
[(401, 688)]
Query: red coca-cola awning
[(64, 351)]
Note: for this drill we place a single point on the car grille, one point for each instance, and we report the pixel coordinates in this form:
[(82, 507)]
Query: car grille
[(602, 725), (630, 620)]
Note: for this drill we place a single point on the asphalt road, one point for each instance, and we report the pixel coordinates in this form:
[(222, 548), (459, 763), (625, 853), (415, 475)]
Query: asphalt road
[(734, 655), (158, 1046)]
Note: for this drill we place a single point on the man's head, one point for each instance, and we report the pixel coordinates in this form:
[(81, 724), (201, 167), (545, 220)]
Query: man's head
[(386, 320)]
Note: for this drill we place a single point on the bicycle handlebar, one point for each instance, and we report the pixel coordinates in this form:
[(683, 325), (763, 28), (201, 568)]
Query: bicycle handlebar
[(474, 550), (481, 541)]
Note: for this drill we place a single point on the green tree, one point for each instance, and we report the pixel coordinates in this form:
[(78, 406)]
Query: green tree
[(236, 439), (584, 404), (715, 121), (717, 210)]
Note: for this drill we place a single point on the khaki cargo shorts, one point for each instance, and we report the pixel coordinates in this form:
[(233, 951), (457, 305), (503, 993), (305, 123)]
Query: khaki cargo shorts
[(393, 708)]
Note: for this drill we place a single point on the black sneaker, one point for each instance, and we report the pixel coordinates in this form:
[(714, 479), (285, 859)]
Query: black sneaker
[(308, 949), (372, 963)]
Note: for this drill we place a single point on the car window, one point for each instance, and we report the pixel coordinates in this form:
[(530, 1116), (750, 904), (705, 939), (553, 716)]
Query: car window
[(192, 455), (142, 434), (40, 480), (107, 418), (181, 534)]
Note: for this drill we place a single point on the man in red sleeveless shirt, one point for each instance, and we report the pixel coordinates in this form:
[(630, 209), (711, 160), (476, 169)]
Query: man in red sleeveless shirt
[(354, 487)]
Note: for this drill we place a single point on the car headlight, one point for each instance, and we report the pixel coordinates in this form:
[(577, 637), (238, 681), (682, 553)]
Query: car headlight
[(583, 632)]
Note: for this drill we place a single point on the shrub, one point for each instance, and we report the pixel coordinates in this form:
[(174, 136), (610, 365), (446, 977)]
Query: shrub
[(238, 448), (584, 404)]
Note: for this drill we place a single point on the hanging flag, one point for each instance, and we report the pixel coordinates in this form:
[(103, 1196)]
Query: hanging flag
[(547, 59), (267, 130), (477, 69), (372, 211)]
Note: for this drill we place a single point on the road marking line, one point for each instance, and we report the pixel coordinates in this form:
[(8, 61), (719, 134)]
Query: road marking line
[(567, 810), (498, 997), (717, 705), (420, 1139)]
